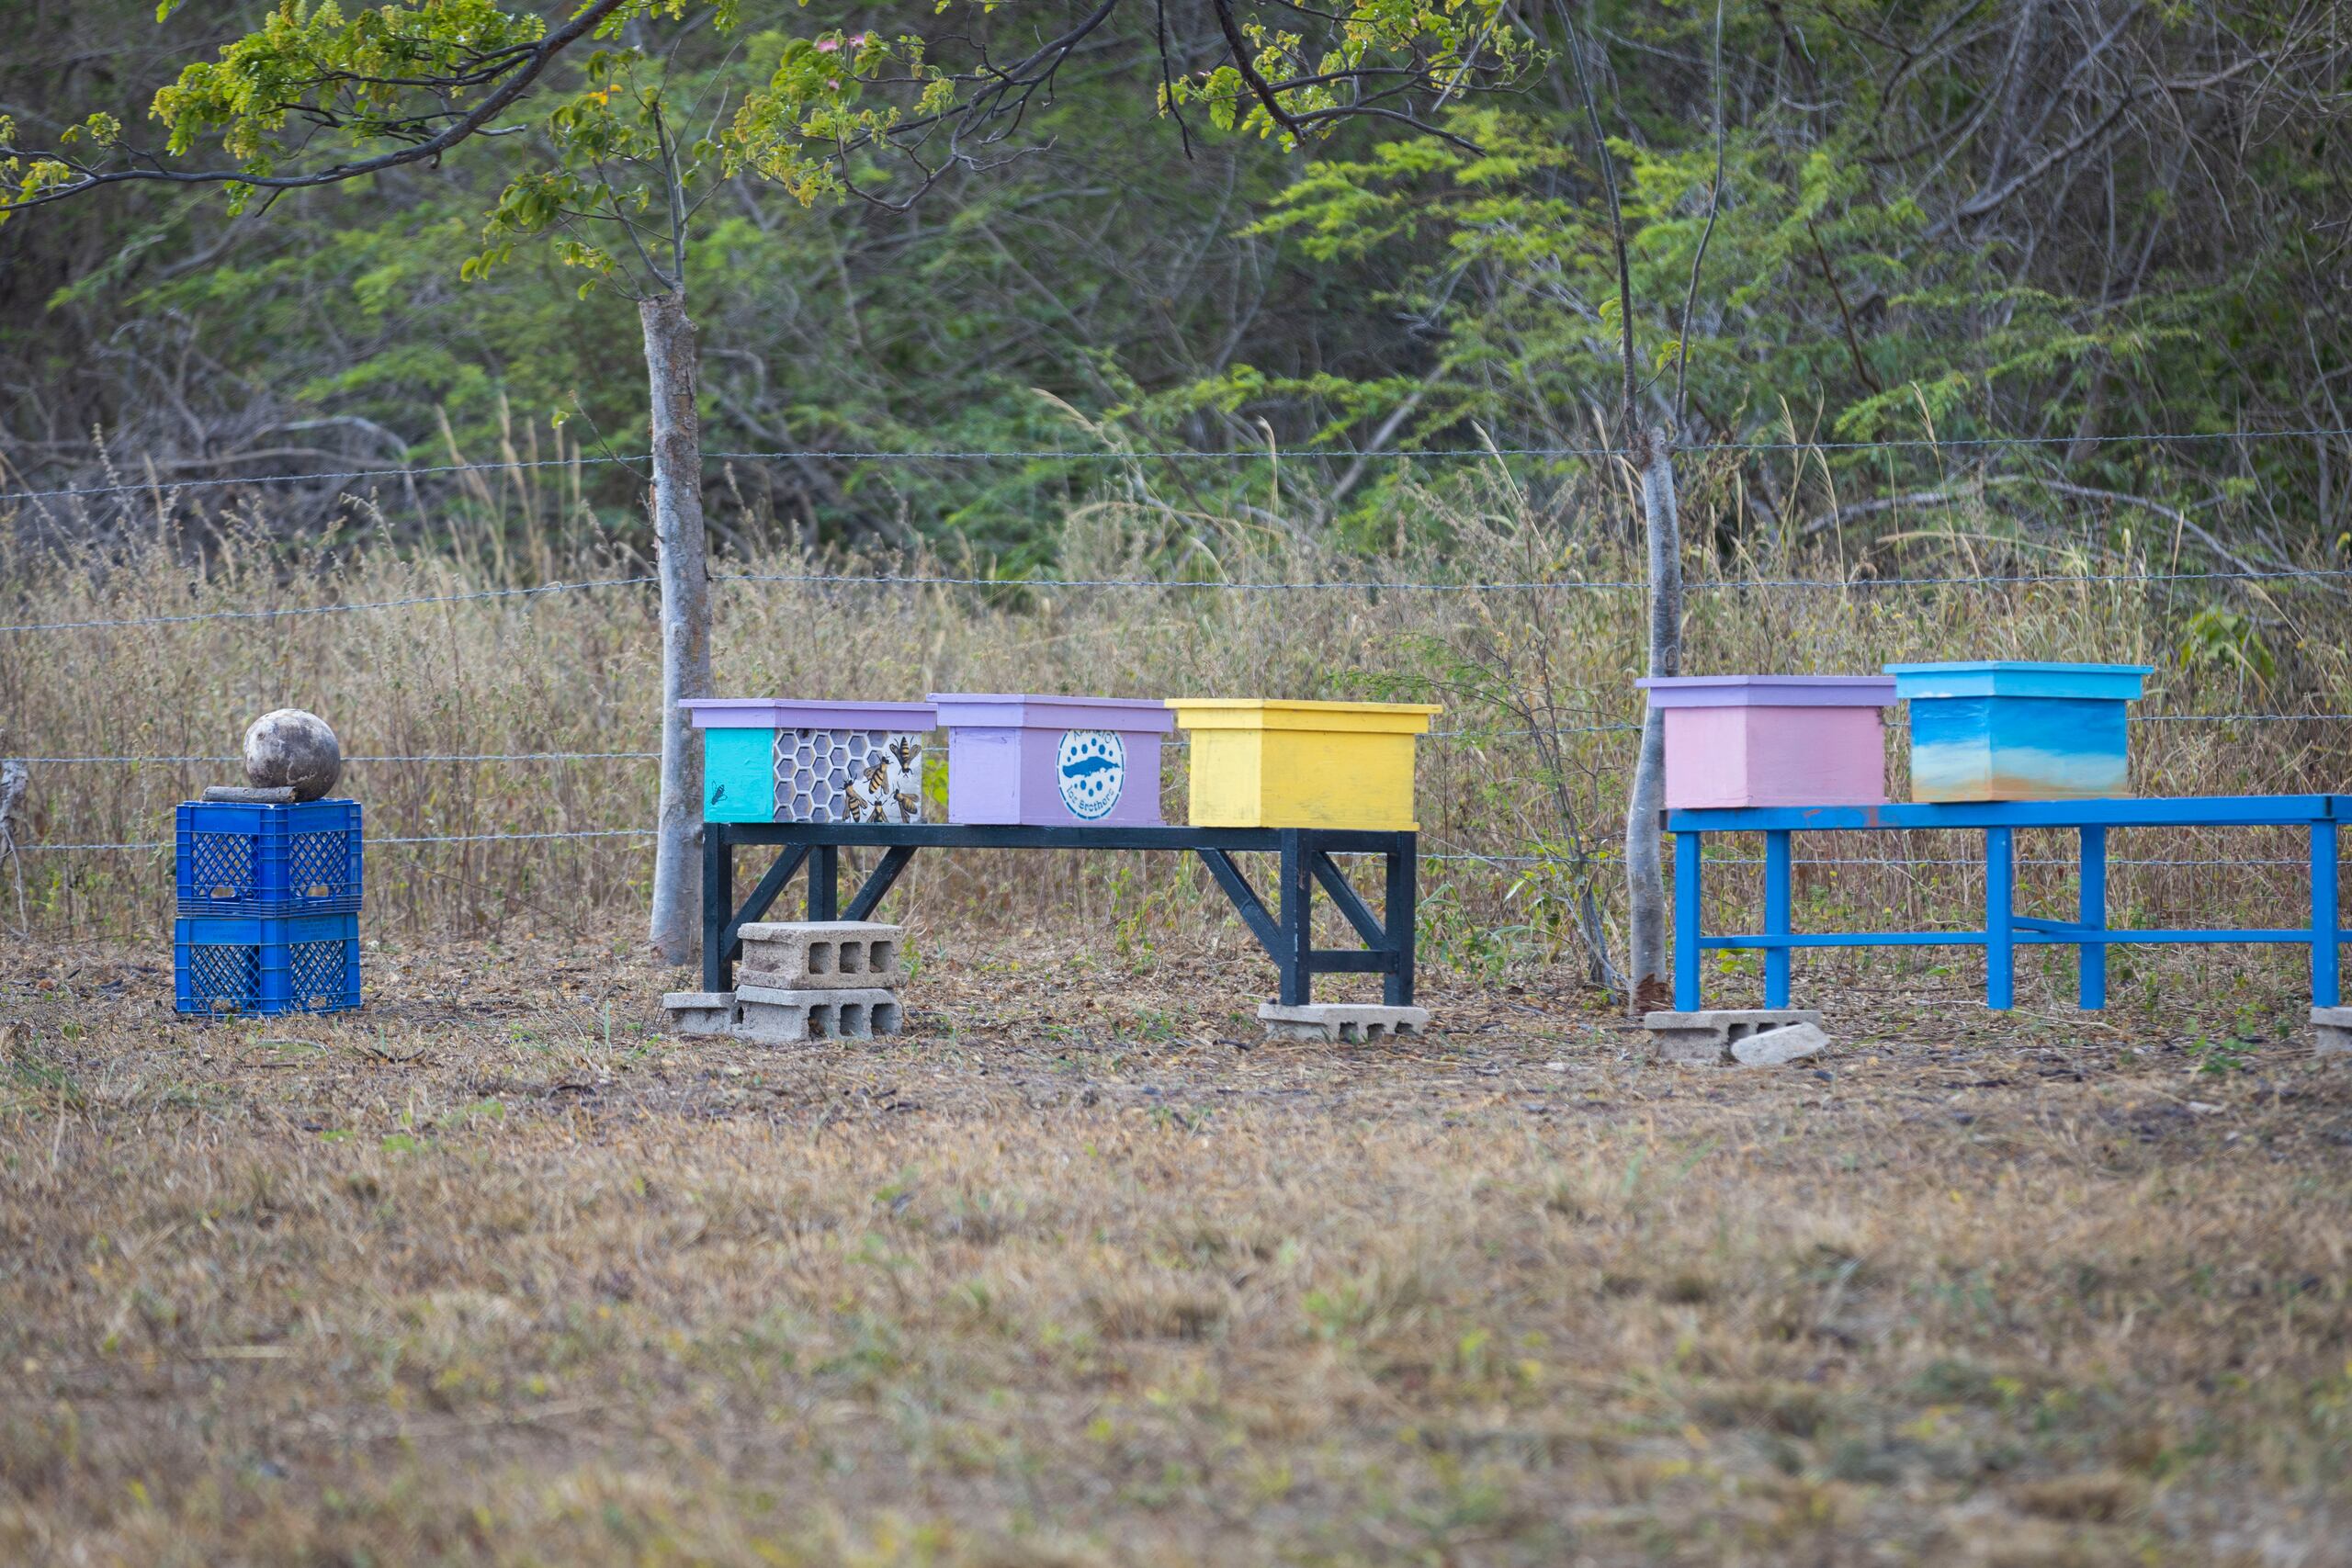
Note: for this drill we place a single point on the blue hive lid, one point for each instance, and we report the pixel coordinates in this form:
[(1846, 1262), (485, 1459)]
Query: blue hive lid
[(2018, 678)]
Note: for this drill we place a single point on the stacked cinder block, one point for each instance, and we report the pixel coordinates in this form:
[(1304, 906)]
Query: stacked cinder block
[(804, 980)]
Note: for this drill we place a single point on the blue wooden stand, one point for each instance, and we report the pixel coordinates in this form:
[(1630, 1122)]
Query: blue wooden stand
[(2004, 929), (1287, 934)]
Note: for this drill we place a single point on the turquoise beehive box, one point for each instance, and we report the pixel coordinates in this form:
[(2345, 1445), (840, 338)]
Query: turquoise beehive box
[(788, 760), (2015, 729)]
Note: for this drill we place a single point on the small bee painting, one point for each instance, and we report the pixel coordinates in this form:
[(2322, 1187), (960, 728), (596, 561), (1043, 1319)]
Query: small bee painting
[(885, 781)]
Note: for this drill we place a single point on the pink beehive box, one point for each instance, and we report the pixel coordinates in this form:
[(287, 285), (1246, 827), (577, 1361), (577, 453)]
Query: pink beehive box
[(1773, 740)]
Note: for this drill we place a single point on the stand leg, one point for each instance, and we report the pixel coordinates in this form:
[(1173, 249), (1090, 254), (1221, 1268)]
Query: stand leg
[(1297, 930), (824, 882), (1397, 916), (718, 903), (1685, 921), (2000, 910), (2327, 988), (879, 883), (1776, 917), (2090, 910)]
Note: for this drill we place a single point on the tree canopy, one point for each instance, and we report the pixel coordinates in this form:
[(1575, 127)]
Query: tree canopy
[(2080, 222)]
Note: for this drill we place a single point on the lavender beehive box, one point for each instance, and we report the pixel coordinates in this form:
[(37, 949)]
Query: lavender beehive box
[(1052, 762), (788, 760), (1773, 740)]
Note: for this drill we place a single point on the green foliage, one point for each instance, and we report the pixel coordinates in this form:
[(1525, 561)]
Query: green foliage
[(2220, 1059), (1874, 268), (2217, 636)]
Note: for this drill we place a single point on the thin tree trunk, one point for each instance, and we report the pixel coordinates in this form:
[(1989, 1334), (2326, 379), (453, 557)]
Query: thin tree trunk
[(1645, 876), (670, 367)]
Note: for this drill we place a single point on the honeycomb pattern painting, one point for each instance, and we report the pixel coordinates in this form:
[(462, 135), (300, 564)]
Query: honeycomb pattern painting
[(848, 776)]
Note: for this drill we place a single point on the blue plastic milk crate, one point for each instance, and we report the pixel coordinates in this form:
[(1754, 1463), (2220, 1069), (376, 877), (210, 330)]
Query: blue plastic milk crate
[(302, 859), (298, 963)]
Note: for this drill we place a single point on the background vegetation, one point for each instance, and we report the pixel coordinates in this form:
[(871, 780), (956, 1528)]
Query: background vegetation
[(2017, 240), (1531, 645), (2089, 221)]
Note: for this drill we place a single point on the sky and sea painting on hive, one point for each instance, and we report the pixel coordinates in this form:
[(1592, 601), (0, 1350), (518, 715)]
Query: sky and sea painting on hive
[(1991, 749)]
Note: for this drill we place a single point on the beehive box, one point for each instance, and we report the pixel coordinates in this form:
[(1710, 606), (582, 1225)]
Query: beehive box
[(2013, 730), (1773, 740), (1261, 764), (783, 759), (1052, 762)]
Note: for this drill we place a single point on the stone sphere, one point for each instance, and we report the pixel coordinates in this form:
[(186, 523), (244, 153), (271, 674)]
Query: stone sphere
[(293, 750)]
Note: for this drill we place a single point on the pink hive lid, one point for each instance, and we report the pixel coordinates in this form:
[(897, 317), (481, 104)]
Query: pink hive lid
[(802, 713), (1014, 710), (1769, 691)]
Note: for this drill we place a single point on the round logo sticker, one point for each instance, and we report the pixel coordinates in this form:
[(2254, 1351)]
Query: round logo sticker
[(1091, 767)]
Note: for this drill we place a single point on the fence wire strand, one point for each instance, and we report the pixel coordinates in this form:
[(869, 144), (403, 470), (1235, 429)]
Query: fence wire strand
[(1368, 585), (1621, 728), (1194, 455)]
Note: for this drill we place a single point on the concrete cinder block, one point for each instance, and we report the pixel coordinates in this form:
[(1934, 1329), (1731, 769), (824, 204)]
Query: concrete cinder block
[(1707, 1037), (1350, 1022), (700, 1013), (2331, 1032), (816, 956), (1771, 1047), (767, 1017)]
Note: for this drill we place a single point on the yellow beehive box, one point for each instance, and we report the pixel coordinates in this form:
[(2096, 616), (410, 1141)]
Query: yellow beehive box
[(1257, 763)]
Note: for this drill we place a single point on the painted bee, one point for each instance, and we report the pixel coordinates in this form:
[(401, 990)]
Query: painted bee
[(877, 778), (909, 808), (906, 750)]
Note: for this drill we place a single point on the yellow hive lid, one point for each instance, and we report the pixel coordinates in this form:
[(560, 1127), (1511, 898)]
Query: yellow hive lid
[(1275, 713)]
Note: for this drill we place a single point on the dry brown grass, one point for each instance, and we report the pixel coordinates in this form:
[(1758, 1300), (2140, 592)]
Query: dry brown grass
[(573, 672), (490, 1272)]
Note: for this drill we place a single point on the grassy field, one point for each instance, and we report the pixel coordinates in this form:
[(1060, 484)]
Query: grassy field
[(1078, 1271)]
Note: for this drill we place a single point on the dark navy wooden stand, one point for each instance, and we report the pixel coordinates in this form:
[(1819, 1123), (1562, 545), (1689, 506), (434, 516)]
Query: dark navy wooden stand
[(1285, 934), (2004, 929)]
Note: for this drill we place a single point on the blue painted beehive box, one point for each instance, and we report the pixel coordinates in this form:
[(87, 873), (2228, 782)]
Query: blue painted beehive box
[(2015, 729)]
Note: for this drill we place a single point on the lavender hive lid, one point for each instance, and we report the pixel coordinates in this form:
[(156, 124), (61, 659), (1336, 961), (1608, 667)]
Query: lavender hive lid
[(1769, 691), (1013, 710), (802, 713)]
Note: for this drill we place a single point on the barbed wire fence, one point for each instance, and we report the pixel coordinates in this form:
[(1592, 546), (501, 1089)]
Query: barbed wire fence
[(1440, 852)]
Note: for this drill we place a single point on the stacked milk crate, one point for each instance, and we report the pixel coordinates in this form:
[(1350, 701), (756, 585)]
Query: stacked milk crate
[(805, 980), (269, 908)]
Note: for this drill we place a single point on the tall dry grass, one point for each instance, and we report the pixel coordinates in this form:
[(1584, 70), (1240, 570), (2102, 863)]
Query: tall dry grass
[(1527, 770)]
